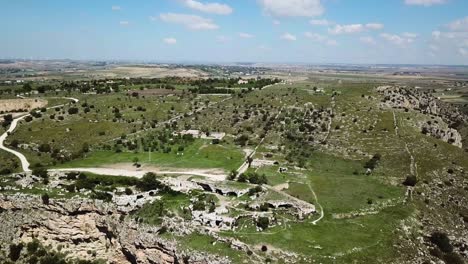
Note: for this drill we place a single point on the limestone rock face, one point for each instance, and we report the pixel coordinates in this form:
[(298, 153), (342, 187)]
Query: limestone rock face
[(87, 229), (405, 98)]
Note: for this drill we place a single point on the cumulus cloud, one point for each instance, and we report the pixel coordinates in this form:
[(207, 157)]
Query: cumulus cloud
[(289, 37), (346, 29), (245, 35), (320, 22), (368, 40), (315, 37), (320, 38), (354, 28), (116, 8), (124, 23), (374, 26), (410, 35), (189, 21), (460, 25), (212, 8), (292, 8), (397, 39), (170, 41), (425, 2)]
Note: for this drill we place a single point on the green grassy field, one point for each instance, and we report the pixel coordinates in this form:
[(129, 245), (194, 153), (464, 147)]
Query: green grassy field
[(199, 155)]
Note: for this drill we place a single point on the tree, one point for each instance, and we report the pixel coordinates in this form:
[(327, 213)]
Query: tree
[(40, 172), (85, 147), (442, 241), (73, 110), (44, 148), (149, 182), (263, 222), (249, 160), (410, 180), (27, 87), (15, 251), (45, 198)]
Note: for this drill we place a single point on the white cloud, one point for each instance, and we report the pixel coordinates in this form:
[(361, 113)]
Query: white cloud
[(463, 52), (425, 2), (315, 37), (212, 8), (346, 29), (222, 39), (190, 21), (170, 41), (124, 23), (396, 39), (276, 22), (320, 38), (288, 36), (436, 34), (245, 35), (374, 26), (116, 8), (409, 35), (368, 40), (320, 22), (292, 8), (460, 25)]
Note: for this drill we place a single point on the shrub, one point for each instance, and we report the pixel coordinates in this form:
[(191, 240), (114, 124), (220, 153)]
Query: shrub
[(263, 222), (15, 251), (149, 182), (442, 241), (410, 180), (45, 198), (73, 111), (452, 258), (40, 172)]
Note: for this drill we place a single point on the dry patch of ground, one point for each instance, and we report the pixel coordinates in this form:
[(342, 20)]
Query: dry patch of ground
[(150, 72), (19, 105)]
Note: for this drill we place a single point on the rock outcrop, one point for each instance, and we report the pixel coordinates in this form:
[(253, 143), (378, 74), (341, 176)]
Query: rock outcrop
[(87, 229)]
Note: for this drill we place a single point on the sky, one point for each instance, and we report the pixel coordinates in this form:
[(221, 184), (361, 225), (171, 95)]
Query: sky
[(270, 31)]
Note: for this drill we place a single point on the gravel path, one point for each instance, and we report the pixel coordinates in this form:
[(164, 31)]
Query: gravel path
[(24, 161)]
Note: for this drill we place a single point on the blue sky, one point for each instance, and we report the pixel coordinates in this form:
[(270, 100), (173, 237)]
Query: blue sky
[(281, 31)]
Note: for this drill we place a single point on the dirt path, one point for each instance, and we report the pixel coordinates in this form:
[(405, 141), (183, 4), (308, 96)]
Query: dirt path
[(322, 213), (24, 161), (140, 173)]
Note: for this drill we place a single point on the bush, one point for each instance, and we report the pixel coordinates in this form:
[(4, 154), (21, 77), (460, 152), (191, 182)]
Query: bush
[(102, 196), (372, 163), (44, 148), (410, 180), (149, 182), (40, 172), (73, 111), (32, 246), (263, 222), (45, 198), (442, 241), (453, 258), (15, 251)]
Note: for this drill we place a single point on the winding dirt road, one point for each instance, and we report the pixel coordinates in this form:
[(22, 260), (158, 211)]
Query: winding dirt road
[(24, 161)]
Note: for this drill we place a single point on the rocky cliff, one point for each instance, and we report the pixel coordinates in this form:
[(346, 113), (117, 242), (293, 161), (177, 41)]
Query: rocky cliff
[(86, 229)]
